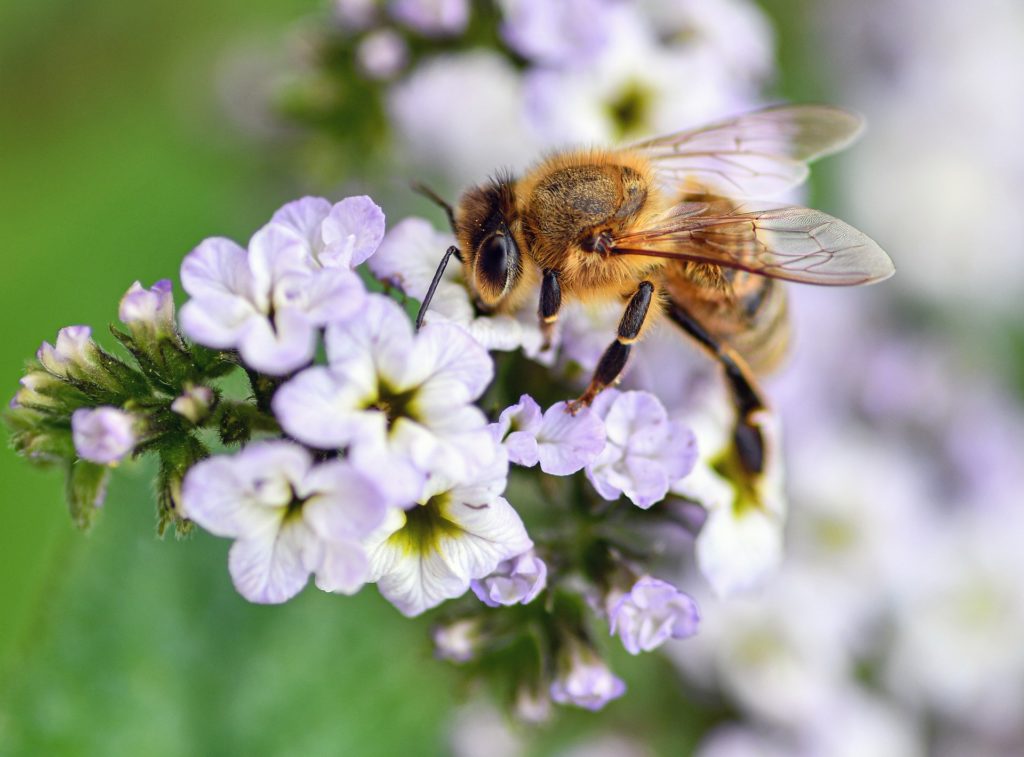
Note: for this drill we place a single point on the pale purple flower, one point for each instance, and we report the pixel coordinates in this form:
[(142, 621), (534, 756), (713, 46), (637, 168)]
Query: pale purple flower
[(645, 452), (342, 235), (382, 54), (569, 32), (289, 518), (457, 641), (410, 393), (652, 612), (104, 435), (562, 443), (148, 312), (434, 18), (74, 353), (457, 532), (268, 302), (516, 581), (584, 679)]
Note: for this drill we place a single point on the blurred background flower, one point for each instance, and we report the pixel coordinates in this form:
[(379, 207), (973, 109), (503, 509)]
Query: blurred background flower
[(893, 626)]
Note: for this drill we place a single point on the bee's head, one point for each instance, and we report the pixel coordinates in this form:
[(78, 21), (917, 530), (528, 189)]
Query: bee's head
[(487, 222)]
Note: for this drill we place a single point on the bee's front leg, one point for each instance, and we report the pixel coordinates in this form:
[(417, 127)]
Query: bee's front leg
[(614, 358), (550, 303)]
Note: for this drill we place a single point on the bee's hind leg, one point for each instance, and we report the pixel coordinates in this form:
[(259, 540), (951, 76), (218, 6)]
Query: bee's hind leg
[(747, 435), (614, 358)]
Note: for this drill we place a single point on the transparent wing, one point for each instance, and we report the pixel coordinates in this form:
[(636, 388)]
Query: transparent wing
[(790, 243), (758, 154)]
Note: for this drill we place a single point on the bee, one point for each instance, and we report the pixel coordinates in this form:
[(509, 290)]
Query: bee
[(667, 228)]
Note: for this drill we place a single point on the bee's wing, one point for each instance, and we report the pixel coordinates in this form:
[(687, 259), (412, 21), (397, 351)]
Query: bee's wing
[(758, 154), (790, 243)]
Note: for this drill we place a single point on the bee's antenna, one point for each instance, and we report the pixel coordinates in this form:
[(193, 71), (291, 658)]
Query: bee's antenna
[(453, 250), (434, 197)]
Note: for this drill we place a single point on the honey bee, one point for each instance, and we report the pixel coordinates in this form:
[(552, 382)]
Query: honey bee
[(666, 227)]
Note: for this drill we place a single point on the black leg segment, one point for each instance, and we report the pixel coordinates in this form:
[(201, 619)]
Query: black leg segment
[(614, 358), (550, 303), (750, 444)]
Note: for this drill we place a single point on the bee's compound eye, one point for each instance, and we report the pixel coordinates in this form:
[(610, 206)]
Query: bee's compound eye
[(497, 259)]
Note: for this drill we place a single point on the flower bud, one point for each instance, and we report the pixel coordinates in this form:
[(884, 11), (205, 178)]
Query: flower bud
[(75, 352), (194, 404), (39, 389), (148, 313), (532, 705), (584, 680), (382, 54), (457, 641), (515, 581), (652, 612), (104, 435)]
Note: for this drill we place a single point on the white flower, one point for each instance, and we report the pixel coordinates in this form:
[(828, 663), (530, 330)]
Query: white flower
[(407, 259), (562, 443), (104, 435), (385, 385), (457, 533), (289, 518), (269, 301), (732, 35), (636, 87), (584, 680), (645, 453), (493, 132), (652, 612), (740, 543), (516, 581)]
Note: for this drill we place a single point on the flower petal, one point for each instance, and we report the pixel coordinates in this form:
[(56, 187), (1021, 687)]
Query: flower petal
[(567, 443), (305, 217), (320, 409), (352, 232), (279, 348), (448, 365), (344, 569), (218, 266), (273, 565)]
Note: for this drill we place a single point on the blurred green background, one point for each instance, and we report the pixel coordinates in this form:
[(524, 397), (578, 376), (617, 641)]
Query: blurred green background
[(116, 160)]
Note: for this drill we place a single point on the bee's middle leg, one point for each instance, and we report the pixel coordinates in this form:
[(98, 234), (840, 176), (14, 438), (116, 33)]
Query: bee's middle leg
[(550, 304), (614, 358)]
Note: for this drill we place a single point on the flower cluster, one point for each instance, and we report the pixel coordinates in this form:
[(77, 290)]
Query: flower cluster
[(538, 74), (369, 451)]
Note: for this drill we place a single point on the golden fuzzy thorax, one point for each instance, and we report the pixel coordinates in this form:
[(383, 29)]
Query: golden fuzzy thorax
[(570, 199)]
